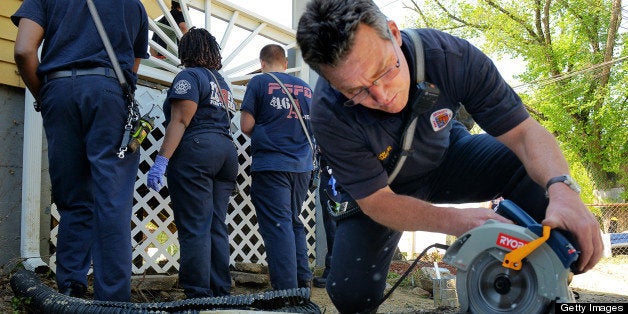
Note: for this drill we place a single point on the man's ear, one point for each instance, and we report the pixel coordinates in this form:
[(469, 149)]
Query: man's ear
[(396, 33)]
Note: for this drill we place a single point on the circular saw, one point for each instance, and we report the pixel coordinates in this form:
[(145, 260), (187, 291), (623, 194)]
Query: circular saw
[(512, 268)]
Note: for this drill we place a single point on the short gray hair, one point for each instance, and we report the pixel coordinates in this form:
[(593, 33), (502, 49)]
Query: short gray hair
[(326, 30)]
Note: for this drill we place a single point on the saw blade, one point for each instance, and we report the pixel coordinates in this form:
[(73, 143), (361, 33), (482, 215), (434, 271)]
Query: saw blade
[(492, 288)]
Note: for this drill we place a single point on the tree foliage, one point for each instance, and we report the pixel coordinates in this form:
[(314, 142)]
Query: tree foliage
[(576, 70)]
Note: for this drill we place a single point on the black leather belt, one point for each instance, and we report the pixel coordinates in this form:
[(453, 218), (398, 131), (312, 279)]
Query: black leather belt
[(80, 72)]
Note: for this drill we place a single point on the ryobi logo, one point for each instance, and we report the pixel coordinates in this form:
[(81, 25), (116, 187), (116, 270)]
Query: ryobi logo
[(509, 242)]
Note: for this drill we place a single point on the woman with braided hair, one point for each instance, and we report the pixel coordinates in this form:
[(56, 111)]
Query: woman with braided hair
[(201, 163)]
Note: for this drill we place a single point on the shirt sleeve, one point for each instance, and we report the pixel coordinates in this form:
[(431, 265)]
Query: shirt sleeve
[(492, 103), (185, 86), (140, 46), (32, 10), (177, 16), (465, 75), (250, 96)]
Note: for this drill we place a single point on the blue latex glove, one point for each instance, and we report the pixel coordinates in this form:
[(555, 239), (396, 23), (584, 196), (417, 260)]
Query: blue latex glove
[(156, 173)]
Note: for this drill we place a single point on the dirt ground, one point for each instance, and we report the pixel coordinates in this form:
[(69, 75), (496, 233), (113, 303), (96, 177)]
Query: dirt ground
[(607, 282)]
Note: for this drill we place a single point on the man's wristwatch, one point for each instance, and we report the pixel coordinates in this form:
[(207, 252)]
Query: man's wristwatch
[(566, 179)]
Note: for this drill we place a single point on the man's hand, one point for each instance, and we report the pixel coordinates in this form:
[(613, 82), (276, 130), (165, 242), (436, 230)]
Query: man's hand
[(469, 218), (539, 152), (566, 211)]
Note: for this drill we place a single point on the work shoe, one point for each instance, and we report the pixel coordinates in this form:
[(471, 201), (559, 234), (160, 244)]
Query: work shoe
[(74, 289), (305, 284), (319, 282)]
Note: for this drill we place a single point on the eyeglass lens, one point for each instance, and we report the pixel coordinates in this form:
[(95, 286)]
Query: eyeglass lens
[(364, 92)]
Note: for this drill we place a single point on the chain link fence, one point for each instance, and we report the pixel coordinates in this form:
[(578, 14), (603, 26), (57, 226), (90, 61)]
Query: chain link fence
[(614, 223)]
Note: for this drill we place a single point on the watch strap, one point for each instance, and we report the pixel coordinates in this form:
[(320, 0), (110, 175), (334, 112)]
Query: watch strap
[(566, 179), (553, 180)]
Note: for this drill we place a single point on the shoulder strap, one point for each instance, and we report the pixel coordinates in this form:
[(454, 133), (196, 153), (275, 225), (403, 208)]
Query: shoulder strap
[(295, 108), (134, 110), (408, 134), (419, 60), (108, 47), (225, 104)]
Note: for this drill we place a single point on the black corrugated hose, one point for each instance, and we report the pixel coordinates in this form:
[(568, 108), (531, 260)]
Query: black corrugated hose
[(44, 299)]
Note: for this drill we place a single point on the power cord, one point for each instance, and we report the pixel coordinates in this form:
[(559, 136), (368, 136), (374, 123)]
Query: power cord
[(406, 273)]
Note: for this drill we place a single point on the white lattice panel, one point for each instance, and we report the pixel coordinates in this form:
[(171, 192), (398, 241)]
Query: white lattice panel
[(154, 236)]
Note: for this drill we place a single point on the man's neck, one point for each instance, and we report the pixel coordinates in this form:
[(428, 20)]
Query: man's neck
[(275, 68)]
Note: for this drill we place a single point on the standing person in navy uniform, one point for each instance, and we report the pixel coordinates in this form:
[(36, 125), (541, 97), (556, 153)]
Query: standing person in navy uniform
[(177, 15), (281, 166), (326, 192), (202, 165), (363, 100), (84, 111)]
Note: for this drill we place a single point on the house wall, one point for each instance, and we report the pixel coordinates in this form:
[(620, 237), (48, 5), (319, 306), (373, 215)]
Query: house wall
[(11, 141), (8, 32), (11, 135)]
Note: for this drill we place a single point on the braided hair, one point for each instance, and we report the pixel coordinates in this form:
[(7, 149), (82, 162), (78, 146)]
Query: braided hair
[(198, 48)]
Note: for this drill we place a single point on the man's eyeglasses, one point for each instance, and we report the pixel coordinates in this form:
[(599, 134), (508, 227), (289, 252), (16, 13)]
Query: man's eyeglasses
[(363, 92)]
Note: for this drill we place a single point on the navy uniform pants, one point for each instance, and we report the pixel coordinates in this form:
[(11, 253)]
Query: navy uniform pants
[(201, 177), (476, 168), (278, 199), (84, 118)]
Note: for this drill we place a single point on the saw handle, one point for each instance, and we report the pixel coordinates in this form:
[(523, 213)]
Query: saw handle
[(559, 241), (513, 212), (513, 259)]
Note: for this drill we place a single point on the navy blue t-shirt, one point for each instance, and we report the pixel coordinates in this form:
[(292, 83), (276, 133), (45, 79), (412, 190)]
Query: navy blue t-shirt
[(278, 142), (71, 38), (360, 143), (197, 85)]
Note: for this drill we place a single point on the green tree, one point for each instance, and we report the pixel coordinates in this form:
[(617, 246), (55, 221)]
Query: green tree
[(575, 81)]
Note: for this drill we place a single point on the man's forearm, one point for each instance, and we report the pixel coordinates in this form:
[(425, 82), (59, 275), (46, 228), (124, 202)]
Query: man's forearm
[(400, 212), (29, 37), (538, 151), (406, 213), (27, 68)]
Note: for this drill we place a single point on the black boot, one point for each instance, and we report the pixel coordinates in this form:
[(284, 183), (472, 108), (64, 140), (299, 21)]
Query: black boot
[(305, 284), (74, 289), (319, 282)]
